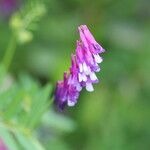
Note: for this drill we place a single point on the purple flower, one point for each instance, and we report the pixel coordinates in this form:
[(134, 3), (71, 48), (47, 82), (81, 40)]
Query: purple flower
[(67, 91), (87, 66), (7, 7), (90, 41), (82, 71)]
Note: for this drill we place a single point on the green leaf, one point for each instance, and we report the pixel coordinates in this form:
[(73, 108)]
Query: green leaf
[(14, 106), (39, 105), (27, 142), (8, 138), (7, 96), (21, 108)]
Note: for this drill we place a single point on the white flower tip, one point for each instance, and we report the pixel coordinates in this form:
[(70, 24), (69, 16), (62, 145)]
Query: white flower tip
[(103, 50), (78, 87), (88, 71), (93, 76), (97, 58), (82, 77), (89, 87), (85, 68), (80, 67), (71, 103), (98, 70)]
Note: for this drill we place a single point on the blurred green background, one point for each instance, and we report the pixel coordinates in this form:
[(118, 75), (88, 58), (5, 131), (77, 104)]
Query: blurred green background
[(116, 116)]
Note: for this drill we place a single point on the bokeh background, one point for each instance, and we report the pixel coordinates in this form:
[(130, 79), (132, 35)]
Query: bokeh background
[(116, 116)]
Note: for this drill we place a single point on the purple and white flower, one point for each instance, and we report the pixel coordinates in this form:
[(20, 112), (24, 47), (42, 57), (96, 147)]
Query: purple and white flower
[(82, 71)]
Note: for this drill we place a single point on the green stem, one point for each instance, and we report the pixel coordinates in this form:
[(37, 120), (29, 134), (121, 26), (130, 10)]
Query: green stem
[(9, 52)]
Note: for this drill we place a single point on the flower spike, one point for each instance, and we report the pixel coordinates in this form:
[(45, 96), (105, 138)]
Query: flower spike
[(84, 64)]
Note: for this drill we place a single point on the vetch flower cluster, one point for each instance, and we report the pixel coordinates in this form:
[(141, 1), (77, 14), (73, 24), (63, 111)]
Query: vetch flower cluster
[(84, 64)]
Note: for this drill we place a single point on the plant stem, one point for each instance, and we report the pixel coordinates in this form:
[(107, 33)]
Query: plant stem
[(9, 52)]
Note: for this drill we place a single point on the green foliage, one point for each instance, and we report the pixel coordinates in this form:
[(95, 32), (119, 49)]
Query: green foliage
[(22, 106)]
